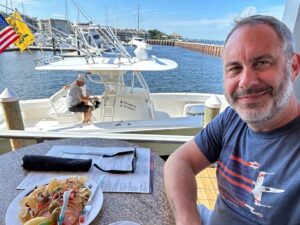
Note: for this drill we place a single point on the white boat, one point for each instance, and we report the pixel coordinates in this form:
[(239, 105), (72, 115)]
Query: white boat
[(137, 41), (125, 106)]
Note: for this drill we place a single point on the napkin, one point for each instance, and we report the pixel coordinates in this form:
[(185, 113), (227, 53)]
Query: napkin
[(52, 163), (122, 162)]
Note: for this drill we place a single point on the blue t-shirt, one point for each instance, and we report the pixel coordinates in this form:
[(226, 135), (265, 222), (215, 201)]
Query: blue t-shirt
[(258, 173)]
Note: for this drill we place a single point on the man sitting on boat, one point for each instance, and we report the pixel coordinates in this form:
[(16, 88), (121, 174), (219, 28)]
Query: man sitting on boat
[(77, 102)]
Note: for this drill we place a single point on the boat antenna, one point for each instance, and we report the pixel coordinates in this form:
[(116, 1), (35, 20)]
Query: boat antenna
[(66, 12), (116, 18), (138, 28), (106, 22)]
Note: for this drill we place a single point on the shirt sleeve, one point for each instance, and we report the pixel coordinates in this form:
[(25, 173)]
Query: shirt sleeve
[(210, 139)]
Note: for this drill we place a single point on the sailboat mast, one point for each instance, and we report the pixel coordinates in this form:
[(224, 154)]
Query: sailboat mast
[(106, 22), (66, 11), (138, 28)]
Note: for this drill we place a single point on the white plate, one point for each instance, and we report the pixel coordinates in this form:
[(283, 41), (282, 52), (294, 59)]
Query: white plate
[(13, 210), (124, 223)]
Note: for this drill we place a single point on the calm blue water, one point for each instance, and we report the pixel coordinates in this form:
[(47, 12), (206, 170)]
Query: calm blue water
[(196, 72)]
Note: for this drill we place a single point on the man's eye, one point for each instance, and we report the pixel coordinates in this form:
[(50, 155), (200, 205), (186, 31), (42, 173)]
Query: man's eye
[(233, 69), (262, 64)]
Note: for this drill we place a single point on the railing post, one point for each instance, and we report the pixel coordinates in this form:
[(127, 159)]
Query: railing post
[(12, 115), (212, 109)]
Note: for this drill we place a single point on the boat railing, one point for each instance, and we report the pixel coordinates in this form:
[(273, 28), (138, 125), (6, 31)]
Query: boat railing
[(78, 42), (145, 86), (112, 42), (141, 139), (48, 135), (47, 60)]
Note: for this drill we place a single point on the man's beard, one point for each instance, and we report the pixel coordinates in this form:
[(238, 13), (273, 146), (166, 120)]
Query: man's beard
[(262, 113)]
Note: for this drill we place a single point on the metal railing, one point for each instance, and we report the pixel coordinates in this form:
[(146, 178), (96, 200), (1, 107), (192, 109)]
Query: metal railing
[(43, 135)]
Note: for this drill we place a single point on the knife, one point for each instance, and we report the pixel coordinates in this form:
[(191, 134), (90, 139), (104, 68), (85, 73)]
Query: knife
[(66, 197)]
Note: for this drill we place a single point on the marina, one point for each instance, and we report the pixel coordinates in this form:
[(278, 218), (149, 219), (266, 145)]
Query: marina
[(157, 105), (127, 104), (154, 96), (157, 81)]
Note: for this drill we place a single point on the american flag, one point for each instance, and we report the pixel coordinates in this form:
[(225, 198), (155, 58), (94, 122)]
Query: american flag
[(7, 34)]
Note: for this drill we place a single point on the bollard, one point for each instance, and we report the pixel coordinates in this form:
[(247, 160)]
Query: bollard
[(12, 116), (212, 109)]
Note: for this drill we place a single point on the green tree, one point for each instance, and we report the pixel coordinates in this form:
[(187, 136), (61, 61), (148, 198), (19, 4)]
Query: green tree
[(155, 34)]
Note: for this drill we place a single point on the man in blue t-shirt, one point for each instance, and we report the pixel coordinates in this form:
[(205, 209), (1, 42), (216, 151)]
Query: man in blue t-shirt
[(255, 142)]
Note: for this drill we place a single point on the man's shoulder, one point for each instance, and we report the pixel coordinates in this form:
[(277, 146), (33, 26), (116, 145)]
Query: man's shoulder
[(230, 115), (229, 122), (74, 86)]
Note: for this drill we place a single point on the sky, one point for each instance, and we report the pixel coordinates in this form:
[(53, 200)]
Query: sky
[(193, 19)]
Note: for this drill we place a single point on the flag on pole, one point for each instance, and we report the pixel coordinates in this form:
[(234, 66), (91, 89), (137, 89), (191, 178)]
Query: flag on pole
[(7, 34), (21, 28)]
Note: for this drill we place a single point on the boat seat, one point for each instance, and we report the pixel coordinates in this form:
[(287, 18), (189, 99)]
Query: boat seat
[(59, 107), (161, 115), (191, 109)]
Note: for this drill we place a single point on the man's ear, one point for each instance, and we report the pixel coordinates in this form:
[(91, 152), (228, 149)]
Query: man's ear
[(295, 66)]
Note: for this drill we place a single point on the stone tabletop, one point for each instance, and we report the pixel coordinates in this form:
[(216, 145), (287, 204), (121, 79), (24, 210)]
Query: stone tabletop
[(145, 209)]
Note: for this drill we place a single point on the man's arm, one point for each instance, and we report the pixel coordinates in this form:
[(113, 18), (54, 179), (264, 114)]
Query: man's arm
[(87, 98), (180, 184)]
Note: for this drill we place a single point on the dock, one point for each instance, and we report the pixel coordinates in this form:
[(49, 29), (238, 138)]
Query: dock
[(37, 48), (215, 50)]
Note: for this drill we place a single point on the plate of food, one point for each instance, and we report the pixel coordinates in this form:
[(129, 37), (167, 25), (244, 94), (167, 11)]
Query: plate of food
[(41, 203)]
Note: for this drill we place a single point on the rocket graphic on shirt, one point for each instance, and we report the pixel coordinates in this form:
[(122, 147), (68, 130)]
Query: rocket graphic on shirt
[(242, 183)]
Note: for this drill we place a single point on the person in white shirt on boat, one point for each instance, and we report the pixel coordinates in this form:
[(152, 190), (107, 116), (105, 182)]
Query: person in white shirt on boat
[(255, 142), (76, 101)]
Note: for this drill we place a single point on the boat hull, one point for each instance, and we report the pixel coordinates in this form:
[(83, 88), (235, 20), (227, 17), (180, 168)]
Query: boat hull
[(170, 108)]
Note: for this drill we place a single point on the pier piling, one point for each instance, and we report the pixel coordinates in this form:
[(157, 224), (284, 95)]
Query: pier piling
[(215, 50)]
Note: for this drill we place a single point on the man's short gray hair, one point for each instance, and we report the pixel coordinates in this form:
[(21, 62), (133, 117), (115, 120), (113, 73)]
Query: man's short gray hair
[(283, 32)]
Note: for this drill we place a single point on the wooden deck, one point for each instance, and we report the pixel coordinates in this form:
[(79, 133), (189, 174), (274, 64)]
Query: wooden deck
[(207, 189)]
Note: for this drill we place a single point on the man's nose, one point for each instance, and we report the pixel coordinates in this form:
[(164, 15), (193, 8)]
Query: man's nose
[(248, 78)]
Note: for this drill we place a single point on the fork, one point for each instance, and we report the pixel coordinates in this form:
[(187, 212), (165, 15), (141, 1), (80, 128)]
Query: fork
[(88, 207), (85, 212)]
